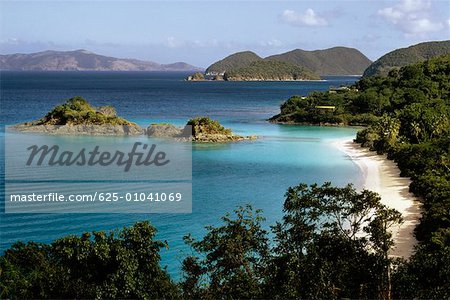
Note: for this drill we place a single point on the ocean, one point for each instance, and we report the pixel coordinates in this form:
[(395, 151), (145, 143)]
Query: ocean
[(224, 176)]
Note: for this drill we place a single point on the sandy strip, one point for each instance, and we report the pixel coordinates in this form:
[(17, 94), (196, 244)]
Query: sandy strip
[(383, 176)]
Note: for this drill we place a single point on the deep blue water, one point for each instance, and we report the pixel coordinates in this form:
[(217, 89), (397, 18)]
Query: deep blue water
[(224, 176)]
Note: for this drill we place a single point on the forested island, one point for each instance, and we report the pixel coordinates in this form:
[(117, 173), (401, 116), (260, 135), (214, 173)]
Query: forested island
[(77, 116), (332, 61), (270, 71), (259, 70), (293, 65)]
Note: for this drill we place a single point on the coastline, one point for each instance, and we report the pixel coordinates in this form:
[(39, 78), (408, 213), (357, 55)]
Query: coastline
[(383, 176)]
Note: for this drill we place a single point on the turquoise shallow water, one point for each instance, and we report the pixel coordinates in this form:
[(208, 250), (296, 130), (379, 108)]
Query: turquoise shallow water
[(224, 175)]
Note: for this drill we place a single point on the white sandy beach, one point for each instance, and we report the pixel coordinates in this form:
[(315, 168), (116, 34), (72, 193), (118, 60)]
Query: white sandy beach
[(383, 176)]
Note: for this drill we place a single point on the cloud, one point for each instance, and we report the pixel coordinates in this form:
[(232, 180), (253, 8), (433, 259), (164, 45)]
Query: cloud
[(309, 18), (171, 42), (412, 17), (273, 43), (17, 45)]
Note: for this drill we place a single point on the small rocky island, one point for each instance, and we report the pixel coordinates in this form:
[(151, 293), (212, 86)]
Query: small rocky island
[(196, 77), (200, 129), (77, 117)]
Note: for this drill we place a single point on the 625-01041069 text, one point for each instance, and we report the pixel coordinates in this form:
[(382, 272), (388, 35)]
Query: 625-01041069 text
[(100, 197)]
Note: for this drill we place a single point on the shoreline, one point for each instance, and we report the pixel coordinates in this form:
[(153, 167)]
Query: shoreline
[(383, 176)]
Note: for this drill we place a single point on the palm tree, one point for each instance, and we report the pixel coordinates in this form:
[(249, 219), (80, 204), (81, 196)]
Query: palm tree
[(416, 130)]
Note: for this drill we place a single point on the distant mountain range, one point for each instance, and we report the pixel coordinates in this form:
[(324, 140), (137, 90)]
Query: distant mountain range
[(406, 56), (291, 65), (333, 61), (82, 60)]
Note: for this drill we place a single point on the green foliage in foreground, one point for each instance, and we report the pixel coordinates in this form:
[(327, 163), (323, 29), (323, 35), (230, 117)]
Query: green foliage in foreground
[(331, 243), (77, 111), (415, 131), (122, 264)]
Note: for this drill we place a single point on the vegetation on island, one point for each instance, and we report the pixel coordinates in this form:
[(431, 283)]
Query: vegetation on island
[(247, 66), (205, 125), (408, 117), (331, 243), (270, 70), (196, 77), (333, 61), (199, 129), (407, 56), (232, 62), (77, 111), (204, 129)]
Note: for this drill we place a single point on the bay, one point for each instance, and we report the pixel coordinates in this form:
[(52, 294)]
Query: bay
[(224, 175)]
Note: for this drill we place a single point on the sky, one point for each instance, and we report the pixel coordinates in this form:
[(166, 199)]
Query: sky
[(202, 32)]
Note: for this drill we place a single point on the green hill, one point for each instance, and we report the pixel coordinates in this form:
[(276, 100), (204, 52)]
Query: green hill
[(333, 61), (233, 62), (269, 70), (406, 56)]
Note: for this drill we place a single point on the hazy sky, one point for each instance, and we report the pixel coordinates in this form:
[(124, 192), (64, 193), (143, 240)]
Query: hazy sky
[(201, 32)]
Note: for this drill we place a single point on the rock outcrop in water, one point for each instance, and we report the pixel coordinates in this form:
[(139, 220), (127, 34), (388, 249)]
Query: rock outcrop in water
[(78, 117), (164, 130), (196, 77), (200, 129), (206, 130), (103, 130)]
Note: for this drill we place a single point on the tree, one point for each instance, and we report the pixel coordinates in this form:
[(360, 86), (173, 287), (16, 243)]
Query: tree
[(25, 270), (387, 129), (427, 273), (231, 260), (332, 243), (119, 264)]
